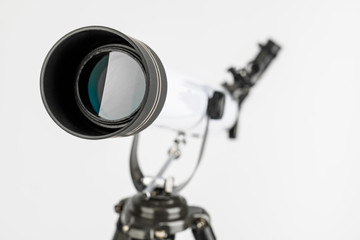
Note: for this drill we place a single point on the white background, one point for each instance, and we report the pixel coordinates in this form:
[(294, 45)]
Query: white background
[(293, 173)]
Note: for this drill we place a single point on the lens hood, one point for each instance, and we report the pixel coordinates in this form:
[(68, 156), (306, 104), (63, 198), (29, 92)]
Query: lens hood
[(59, 75)]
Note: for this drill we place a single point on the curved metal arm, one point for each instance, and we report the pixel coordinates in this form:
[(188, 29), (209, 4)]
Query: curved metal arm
[(137, 175)]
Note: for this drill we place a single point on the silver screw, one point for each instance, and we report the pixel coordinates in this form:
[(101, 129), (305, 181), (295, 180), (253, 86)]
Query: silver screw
[(125, 228), (200, 223), (175, 151), (160, 234)]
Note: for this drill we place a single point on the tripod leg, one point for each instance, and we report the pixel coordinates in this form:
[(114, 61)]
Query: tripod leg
[(172, 237), (119, 235), (202, 230)]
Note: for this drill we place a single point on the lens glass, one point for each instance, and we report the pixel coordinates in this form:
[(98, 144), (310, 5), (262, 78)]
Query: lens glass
[(116, 86)]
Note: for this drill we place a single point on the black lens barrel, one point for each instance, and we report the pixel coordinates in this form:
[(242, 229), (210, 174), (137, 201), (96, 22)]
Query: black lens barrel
[(60, 71)]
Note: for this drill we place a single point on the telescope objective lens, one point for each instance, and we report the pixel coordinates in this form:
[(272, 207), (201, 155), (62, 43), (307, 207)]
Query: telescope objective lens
[(111, 84)]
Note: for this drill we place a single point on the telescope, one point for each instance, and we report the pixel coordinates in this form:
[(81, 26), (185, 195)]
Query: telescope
[(97, 83)]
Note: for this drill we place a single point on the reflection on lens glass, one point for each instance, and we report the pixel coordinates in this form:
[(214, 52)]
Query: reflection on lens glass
[(116, 86)]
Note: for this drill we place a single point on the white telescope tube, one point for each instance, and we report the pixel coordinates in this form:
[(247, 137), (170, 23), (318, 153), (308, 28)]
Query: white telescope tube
[(186, 105)]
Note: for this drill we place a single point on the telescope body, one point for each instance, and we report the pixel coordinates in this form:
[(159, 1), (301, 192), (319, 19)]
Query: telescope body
[(186, 104)]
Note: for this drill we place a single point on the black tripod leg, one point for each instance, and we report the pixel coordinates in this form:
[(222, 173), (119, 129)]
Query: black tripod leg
[(119, 235), (172, 237), (202, 230)]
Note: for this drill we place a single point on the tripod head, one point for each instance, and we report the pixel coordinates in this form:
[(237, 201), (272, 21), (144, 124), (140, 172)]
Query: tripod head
[(158, 211)]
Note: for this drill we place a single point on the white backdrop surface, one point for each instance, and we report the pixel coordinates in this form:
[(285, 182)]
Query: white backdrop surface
[(293, 173)]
